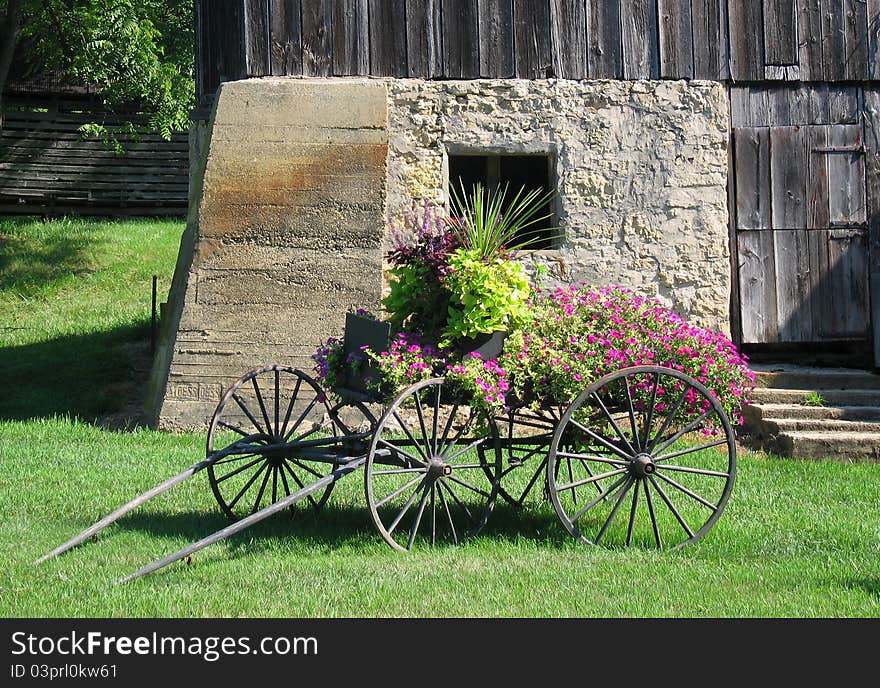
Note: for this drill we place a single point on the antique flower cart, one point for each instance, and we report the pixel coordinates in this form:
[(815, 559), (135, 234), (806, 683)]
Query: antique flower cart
[(643, 456)]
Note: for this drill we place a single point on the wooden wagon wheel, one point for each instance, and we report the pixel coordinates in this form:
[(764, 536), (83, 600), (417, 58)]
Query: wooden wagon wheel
[(424, 477), (279, 431), (644, 456)]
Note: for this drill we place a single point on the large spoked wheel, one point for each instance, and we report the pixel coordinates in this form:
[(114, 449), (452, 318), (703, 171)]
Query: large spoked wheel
[(274, 432), (644, 456), (426, 470)]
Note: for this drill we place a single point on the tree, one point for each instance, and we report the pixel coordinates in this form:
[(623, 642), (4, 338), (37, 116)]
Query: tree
[(133, 52)]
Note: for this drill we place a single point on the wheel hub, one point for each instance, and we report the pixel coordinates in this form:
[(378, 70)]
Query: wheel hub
[(437, 469), (642, 466)]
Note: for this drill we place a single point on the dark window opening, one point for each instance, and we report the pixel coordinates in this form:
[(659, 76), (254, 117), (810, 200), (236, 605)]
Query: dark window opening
[(514, 171)]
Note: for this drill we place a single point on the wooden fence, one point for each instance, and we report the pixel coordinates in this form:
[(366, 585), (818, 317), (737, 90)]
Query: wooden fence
[(48, 168), (726, 40)]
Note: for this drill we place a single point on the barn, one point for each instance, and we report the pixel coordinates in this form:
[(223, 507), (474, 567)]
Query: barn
[(721, 155)]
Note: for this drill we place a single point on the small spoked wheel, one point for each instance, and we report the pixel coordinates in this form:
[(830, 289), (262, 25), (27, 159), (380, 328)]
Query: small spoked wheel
[(525, 435), (274, 432), (427, 467), (644, 457)]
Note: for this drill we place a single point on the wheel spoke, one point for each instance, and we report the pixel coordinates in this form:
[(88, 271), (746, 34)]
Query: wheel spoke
[(240, 469), (293, 398), (693, 425), (420, 413), (393, 471), (396, 492), (448, 427), (248, 484), (654, 525), (650, 418), (397, 449), (594, 457), (247, 412), (632, 516), (435, 421), (667, 421), (632, 415), (464, 450), (690, 450), (299, 482), (613, 513), (592, 479), (418, 519), (402, 512), (262, 489), (274, 484), (277, 400), (672, 508), (601, 440), (302, 417), (234, 428), (598, 498), (409, 436), (448, 515), (262, 404), (237, 457), (698, 471), (458, 501), (308, 469), (688, 492), (614, 424), (459, 481)]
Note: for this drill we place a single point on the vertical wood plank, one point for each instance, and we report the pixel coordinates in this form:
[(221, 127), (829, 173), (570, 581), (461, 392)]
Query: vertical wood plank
[(531, 32), (817, 177), (740, 110), (710, 60), (856, 39), (873, 39), (843, 104), (285, 37), (759, 102), (780, 32), (833, 40), (256, 37), (568, 38), (495, 32), (640, 51), (809, 25), (871, 97), (746, 35), (424, 46), (604, 45), (846, 175), (848, 261), (752, 165), (676, 39), (350, 37), (387, 37), (792, 269), (757, 286), (788, 177), (461, 46), (317, 37)]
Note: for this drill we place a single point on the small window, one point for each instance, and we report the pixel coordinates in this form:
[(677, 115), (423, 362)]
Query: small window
[(514, 171)]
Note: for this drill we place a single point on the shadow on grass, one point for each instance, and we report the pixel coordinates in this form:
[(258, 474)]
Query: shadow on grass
[(82, 376), (29, 266), (331, 527)]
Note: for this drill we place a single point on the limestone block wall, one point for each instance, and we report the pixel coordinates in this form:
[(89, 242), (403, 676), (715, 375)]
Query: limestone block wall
[(641, 170), (284, 236), (298, 177)]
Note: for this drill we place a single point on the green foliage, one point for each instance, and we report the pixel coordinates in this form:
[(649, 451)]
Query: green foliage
[(139, 53), (486, 295), (417, 300), (493, 226), (814, 399)]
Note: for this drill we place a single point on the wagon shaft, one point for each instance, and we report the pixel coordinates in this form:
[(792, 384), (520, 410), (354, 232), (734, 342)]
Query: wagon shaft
[(351, 465)]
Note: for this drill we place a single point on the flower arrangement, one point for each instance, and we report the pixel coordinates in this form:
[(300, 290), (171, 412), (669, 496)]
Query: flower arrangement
[(453, 279)]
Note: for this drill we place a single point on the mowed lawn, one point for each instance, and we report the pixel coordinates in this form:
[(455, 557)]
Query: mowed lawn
[(798, 538)]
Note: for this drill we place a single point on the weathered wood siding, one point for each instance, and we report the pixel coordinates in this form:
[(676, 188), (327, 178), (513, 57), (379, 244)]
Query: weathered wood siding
[(46, 167), (736, 40), (805, 212)]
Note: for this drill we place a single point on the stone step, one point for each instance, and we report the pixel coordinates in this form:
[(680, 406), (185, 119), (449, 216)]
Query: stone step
[(775, 426), (832, 397), (799, 377), (838, 446), (757, 412)]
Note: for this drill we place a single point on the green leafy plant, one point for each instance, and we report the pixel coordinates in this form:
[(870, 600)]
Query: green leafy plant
[(491, 225), (814, 399)]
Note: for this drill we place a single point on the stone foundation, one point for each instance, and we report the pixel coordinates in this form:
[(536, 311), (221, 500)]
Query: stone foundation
[(289, 202)]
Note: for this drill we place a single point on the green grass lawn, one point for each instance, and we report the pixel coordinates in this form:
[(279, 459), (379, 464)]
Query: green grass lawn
[(798, 538)]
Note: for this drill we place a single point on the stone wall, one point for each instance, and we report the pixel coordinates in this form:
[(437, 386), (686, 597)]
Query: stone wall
[(284, 235), (641, 171), (289, 204)]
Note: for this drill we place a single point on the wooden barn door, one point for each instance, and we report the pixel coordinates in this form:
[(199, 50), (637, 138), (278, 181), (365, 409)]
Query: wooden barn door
[(801, 231)]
